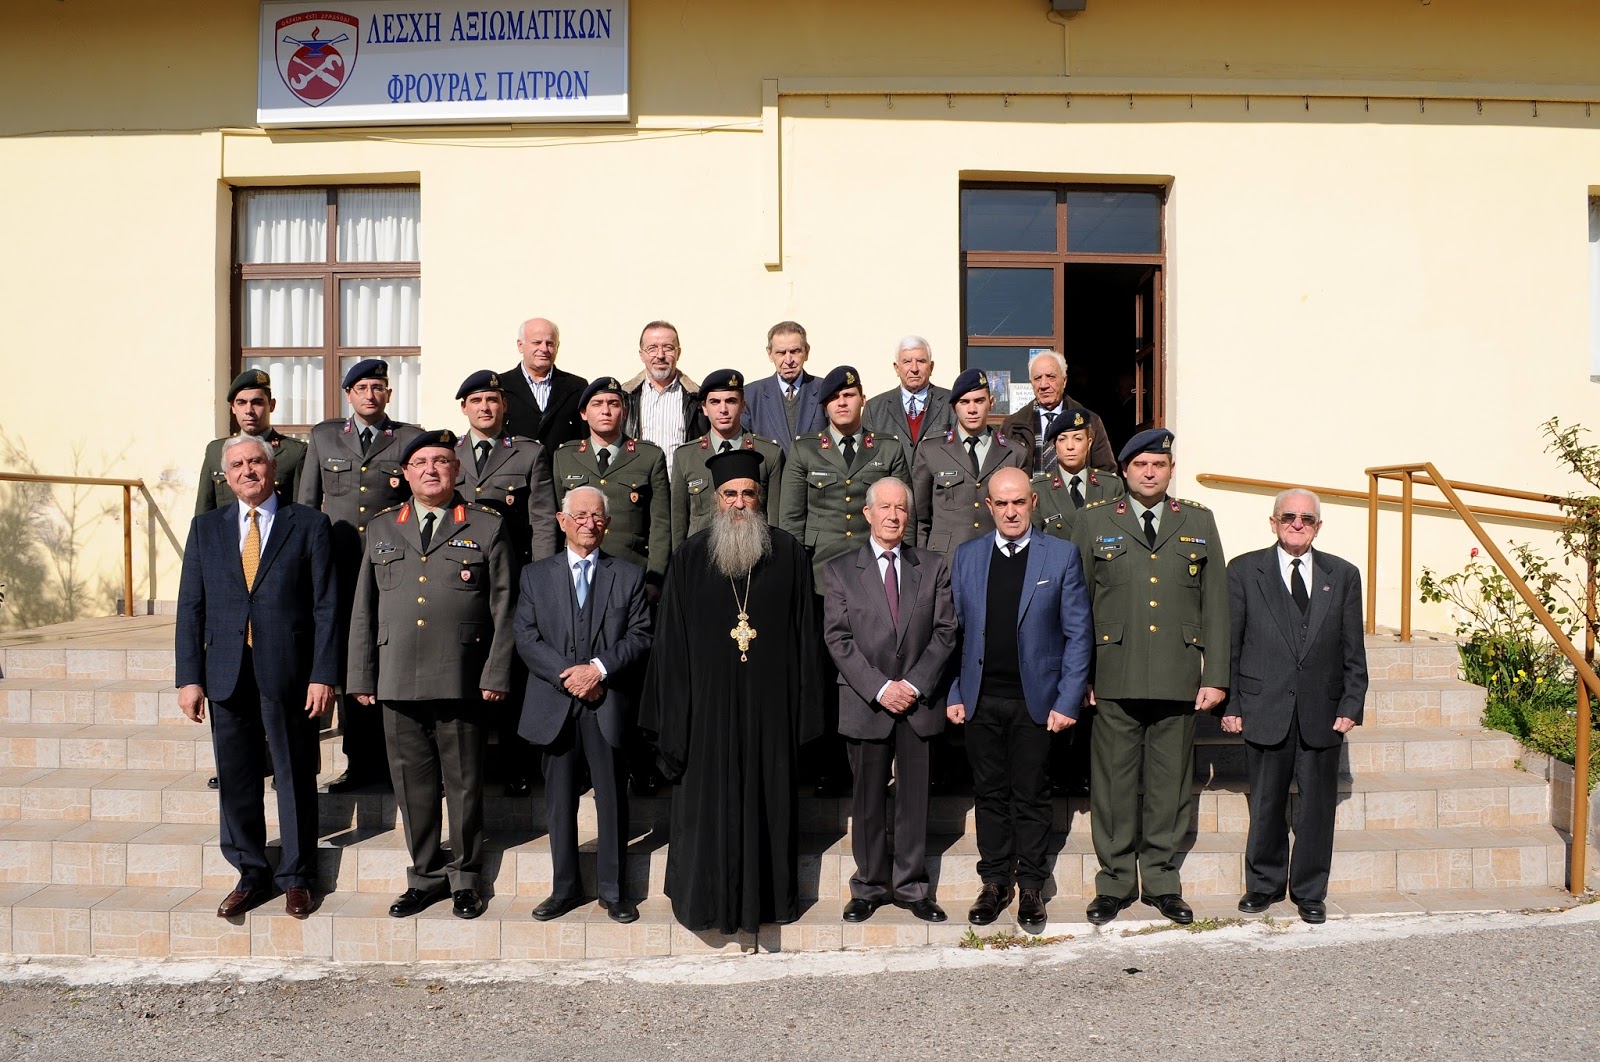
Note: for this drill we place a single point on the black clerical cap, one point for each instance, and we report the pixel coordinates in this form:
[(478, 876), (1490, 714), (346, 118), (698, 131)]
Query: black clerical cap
[(367, 369), (722, 380), (482, 380), (968, 382), (1150, 441), (606, 385), (837, 380), (249, 380), (734, 464), (1076, 419), (444, 438)]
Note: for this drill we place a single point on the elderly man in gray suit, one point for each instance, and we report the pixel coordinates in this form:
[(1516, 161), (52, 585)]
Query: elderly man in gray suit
[(1299, 672), (889, 622), (583, 629), (916, 409)]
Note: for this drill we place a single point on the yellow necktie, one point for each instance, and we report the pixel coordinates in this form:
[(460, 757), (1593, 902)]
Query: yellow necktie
[(252, 560)]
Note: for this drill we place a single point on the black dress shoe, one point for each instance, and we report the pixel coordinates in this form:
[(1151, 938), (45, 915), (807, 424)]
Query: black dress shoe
[(556, 906), (1172, 907), (1030, 910), (645, 784), (211, 783), (1103, 909), (926, 910), (990, 902), (624, 910), (354, 783), (1257, 902), (466, 903), (518, 786), (413, 900), (1314, 912), (858, 910)]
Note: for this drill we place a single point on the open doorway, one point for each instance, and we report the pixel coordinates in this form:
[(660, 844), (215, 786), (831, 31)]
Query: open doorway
[(1109, 343)]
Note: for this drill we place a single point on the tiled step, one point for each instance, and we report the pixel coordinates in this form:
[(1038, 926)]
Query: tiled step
[(355, 927)]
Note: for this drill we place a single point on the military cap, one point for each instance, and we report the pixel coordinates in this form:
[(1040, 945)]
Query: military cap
[(606, 385), (1149, 441), (249, 380), (969, 381), (367, 369), (837, 380), (443, 437), (1078, 419), (722, 380), (482, 380), (734, 464)]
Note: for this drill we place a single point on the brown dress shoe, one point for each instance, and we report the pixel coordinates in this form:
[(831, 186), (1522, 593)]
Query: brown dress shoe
[(298, 902), (239, 901)]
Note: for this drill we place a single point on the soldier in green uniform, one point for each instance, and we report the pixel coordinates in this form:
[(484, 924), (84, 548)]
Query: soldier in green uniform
[(1159, 590), (1073, 484), (950, 476), (353, 471), (826, 478), (251, 403), (431, 641), (508, 473), (631, 473), (694, 501)]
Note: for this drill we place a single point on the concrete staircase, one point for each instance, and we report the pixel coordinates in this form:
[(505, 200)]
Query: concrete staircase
[(108, 836)]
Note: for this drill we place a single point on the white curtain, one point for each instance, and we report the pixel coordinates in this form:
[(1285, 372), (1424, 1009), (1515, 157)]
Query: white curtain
[(283, 313), (380, 225), (283, 225), (297, 385), (404, 371), (380, 313)]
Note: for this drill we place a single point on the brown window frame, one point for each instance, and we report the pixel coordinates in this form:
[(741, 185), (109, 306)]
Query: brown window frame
[(330, 271)]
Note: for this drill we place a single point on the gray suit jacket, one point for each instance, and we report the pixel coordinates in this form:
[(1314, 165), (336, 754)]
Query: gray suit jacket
[(869, 650), (886, 414), (547, 643), (1321, 673)]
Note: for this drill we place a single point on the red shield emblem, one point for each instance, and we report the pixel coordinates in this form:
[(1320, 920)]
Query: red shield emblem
[(316, 53)]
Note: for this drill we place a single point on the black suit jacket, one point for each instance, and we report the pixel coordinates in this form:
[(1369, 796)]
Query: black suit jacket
[(558, 424), (292, 611), (1322, 674)]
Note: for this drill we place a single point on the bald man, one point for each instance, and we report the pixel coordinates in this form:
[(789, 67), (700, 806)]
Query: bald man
[(542, 400)]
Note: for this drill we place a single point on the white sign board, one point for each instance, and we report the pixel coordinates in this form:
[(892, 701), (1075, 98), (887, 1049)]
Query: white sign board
[(370, 62)]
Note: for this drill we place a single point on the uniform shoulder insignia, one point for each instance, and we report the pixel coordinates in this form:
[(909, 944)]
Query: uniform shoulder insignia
[(774, 442), (1097, 504), (572, 444), (479, 507), (1190, 504), (390, 509), (644, 445)]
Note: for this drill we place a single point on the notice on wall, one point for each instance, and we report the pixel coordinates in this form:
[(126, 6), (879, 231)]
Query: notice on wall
[(381, 62)]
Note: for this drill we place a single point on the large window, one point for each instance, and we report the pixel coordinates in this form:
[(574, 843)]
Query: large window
[(1074, 268), (324, 277)]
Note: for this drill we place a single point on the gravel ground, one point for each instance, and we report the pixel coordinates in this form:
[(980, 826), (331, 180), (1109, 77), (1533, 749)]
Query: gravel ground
[(1456, 988)]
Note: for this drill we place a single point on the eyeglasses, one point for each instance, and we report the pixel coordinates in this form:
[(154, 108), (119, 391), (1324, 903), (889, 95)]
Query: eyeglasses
[(661, 348), (430, 462), (1290, 519), (586, 518), (747, 494)]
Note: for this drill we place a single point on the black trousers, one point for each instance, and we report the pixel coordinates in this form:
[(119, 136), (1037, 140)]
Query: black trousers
[(581, 744), (1268, 865), (878, 877), (430, 741), (1010, 753), (241, 727)]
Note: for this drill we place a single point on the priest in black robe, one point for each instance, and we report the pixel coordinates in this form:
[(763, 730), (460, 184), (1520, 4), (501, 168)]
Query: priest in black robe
[(732, 693)]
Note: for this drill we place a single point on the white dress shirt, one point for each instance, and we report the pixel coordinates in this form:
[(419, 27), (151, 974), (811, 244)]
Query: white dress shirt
[(574, 565), (1286, 570), (540, 388), (1000, 541), (661, 415), (883, 570), (264, 516)]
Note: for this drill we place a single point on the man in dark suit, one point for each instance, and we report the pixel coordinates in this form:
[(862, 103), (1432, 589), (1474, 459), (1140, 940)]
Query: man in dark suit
[(890, 624), (785, 404), (1299, 667), (258, 634), (915, 410), (1010, 710), (582, 628), (1047, 371), (542, 400)]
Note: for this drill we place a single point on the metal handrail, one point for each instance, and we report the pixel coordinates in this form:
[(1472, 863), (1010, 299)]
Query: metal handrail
[(1211, 479), (128, 487)]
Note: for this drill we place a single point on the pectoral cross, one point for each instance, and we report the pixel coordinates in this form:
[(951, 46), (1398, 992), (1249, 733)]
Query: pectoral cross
[(744, 634)]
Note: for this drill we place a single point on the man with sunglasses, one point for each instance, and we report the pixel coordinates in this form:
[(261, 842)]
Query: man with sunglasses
[(1299, 667)]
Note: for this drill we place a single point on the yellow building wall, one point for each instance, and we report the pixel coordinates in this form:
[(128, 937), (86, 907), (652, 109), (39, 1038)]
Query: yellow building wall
[(1355, 274)]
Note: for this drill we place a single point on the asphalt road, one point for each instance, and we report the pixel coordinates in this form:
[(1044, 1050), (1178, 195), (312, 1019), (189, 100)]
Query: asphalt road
[(1457, 988)]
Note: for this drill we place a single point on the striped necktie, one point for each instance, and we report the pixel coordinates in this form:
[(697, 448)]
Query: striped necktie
[(251, 558)]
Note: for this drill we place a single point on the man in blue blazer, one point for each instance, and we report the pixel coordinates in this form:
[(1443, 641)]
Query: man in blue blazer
[(258, 635), (786, 403), (583, 629), (1011, 708)]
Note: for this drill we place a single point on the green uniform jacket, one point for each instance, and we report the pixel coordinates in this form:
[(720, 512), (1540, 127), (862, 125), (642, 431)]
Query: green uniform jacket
[(1161, 616), (821, 499), (433, 624), (352, 487), (1056, 515), (214, 491), (950, 508), (515, 482), (637, 495), (694, 501)]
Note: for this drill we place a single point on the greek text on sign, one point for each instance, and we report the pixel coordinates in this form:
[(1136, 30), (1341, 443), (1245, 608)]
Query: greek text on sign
[(371, 62)]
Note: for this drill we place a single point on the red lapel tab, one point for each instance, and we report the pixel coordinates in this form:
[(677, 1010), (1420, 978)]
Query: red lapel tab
[(405, 514)]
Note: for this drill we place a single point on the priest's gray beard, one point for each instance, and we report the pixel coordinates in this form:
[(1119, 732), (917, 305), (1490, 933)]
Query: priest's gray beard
[(740, 539)]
